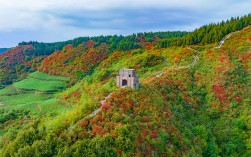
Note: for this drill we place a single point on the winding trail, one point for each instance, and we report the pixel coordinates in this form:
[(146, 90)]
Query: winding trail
[(222, 41), (94, 113), (196, 59)]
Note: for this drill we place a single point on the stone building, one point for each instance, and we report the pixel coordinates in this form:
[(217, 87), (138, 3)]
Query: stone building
[(127, 77)]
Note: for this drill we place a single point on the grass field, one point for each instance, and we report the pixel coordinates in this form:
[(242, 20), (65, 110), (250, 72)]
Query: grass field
[(35, 93), (43, 76), (35, 103), (24, 98), (10, 90), (41, 82), (39, 85)]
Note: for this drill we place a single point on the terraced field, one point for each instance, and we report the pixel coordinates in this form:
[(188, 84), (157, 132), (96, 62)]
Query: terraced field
[(36, 93)]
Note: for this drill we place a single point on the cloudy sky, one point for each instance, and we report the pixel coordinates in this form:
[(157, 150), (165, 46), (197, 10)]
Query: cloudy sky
[(57, 20)]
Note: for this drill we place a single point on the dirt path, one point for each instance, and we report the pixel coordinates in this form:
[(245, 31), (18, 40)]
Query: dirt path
[(94, 113), (196, 59), (226, 37), (222, 41)]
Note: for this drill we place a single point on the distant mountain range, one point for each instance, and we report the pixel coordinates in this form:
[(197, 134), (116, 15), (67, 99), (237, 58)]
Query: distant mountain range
[(3, 50)]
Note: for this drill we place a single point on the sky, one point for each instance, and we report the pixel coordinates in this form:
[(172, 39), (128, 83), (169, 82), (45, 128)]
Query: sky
[(60, 20)]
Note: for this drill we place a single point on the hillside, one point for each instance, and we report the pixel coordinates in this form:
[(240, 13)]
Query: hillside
[(16, 63), (25, 58), (193, 100)]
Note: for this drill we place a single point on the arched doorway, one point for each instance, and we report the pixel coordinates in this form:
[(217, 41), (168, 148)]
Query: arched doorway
[(124, 82)]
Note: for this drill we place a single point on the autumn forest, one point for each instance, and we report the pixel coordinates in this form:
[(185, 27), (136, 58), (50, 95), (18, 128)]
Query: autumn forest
[(61, 99)]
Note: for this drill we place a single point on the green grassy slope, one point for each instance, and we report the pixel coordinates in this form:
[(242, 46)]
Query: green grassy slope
[(35, 93), (179, 110), (39, 85)]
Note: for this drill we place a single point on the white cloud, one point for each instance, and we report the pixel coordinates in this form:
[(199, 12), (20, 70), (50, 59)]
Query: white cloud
[(38, 5), (62, 19), (30, 14)]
